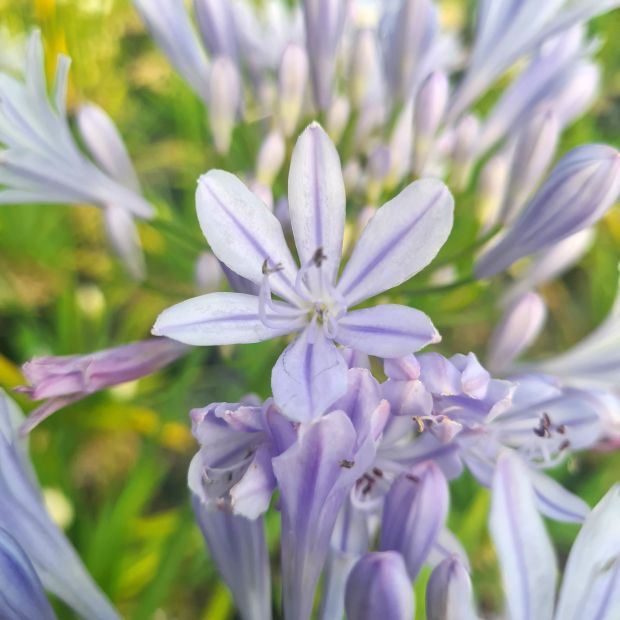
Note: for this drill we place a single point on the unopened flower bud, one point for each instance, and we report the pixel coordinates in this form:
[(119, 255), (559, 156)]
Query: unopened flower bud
[(491, 189), (270, 158), (449, 592), (379, 587), (364, 65), (337, 118), (519, 327), (464, 150), (224, 101), (293, 78), (582, 186), (217, 27), (208, 274), (534, 150), (430, 107)]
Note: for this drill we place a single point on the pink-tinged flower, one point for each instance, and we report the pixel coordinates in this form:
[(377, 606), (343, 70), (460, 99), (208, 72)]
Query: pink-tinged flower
[(403, 237), (65, 379)]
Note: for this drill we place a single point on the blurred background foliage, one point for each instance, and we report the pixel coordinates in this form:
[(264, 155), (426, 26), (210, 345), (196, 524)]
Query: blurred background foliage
[(113, 466)]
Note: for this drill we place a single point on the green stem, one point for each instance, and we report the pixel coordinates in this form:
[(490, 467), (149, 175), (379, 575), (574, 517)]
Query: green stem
[(470, 279), (478, 243), (173, 229)]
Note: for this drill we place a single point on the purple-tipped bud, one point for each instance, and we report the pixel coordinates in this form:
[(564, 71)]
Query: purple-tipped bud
[(379, 587), (519, 327), (67, 378), (363, 66), (449, 592), (534, 151), (22, 594), (217, 27), (414, 513), (293, 77), (324, 21), (270, 158), (224, 101), (208, 275), (430, 107), (582, 186), (464, 149), (492, 189)]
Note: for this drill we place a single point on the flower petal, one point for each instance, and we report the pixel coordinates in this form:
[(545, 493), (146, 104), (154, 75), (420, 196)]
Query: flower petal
[(524, 549), (243, 233), (404, 235), (309, 376), (222, 318), (316, 199), (387, 330), (449, 593), (591, 587)]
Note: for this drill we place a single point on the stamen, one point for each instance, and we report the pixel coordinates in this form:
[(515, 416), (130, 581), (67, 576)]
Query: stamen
[(346, 463)]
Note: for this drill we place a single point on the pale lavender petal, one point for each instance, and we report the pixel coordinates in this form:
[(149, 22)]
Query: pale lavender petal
[(224, 101), (316, 200), (22, 596), (439, 375), (556, 502), (404, 235), (415, 510), (579, 190), (524, 549), (388, 330), (379, 587), (314, 478), (518, 329), (243, 233), (237, 547), (449, 594), (309, 376), (224, 318), (591, 586)]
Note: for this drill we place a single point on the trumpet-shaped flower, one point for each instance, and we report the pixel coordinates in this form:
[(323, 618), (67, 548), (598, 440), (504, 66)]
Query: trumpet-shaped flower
[(402, 237)]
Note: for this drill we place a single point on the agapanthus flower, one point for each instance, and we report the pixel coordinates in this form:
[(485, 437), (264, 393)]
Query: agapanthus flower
[(65, 379), (41, 162), (402, 237), (24, 516)]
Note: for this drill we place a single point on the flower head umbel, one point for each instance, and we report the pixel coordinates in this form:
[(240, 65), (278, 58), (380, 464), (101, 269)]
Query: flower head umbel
[(402, 238)]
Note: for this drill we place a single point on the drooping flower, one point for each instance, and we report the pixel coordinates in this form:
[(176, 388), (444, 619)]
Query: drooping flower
[(402, 237), (65, 379), (23, 515)]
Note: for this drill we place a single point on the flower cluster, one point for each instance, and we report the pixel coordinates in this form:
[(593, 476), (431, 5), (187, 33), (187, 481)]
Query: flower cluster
[(363, 431)]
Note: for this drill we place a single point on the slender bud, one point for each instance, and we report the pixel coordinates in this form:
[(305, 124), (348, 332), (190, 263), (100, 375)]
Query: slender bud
[(464, 150), (379, 587), (579, 92), (519, 327), (270, 158), (324, 22), (217, 27), (449, 592), (492, 189), (363, 66), (224, 101), (337, 118), (293, 78), (430, 107), (582, 186), (534, 150)]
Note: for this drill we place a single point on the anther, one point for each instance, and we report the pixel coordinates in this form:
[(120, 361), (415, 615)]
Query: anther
[(267, 270), (318, 258), (346, 463)]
